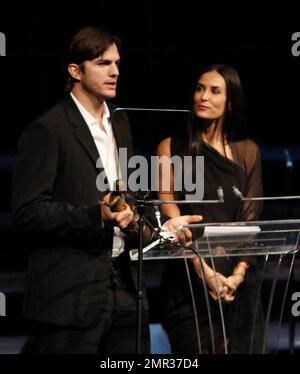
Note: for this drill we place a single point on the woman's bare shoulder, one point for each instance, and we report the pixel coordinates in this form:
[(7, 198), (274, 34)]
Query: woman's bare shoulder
[(164, 147)]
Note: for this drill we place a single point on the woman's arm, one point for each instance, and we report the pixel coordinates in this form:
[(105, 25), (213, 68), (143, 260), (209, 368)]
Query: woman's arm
[(250, 209), (215, 281), (166, 179)]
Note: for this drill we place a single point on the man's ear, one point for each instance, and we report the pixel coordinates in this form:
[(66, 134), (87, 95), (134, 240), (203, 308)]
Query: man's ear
[(74, 71)]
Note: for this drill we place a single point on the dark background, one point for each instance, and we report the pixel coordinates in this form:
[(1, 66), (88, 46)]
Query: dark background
[(164, 47)]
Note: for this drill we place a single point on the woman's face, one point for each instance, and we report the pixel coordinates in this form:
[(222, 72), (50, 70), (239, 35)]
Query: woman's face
[(210, 96)]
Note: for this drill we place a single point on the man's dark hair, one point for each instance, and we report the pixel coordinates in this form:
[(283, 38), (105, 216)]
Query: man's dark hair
[(88, 43)]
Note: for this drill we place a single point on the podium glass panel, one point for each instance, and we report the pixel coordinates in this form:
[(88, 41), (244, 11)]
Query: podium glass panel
[(262, 300), (269, 247)]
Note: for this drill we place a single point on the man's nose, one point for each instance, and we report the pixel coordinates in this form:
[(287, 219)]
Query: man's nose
[(114, 70)]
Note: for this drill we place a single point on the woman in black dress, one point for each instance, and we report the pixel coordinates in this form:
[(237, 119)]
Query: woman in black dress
[(218, 133)]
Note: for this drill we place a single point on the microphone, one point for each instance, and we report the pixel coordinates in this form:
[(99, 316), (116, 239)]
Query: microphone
[(157, 215), (237, 193), (240, 196), (220, 193), (154, 203)]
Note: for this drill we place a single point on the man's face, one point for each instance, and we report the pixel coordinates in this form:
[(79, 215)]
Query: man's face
[(99, 76)]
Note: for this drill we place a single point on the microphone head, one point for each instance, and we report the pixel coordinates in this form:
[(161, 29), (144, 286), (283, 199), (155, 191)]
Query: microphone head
[(220, 193), (237, 192), (141, 195)]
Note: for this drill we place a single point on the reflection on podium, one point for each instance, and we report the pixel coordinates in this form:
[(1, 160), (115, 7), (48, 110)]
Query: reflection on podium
[(241, 325)]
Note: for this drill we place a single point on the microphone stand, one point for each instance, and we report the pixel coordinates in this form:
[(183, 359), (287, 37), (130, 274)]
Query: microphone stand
[(140, 295), (239, 195), (140, 205)]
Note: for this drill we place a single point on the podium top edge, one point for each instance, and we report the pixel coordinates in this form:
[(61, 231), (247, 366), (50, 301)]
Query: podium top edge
[(246, 223)]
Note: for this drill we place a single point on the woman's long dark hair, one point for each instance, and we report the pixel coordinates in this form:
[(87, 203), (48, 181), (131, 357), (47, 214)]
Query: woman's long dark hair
[(234, 122)]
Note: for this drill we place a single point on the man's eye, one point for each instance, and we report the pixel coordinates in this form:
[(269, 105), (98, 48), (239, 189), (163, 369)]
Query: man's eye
[(103, 63)]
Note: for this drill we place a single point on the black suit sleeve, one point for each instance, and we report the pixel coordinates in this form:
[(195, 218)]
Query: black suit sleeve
[(34, 178)]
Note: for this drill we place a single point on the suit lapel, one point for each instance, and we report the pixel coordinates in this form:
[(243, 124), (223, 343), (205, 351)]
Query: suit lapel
[(84, 136), (122, 133), (114, 117), (81, 130), (121, 129)]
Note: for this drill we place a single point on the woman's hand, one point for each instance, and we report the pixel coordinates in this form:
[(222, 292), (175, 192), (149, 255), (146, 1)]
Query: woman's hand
[(220, 286), (216, 282), (217, 285), (234, 280), (182, 234)]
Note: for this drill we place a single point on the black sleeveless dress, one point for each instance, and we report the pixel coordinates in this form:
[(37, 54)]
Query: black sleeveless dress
[(177, 312)]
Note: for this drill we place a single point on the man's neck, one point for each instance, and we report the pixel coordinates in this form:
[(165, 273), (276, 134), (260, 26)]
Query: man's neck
[(92, 104)]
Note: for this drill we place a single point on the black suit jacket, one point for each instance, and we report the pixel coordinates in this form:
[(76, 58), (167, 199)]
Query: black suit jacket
[(55, 207)]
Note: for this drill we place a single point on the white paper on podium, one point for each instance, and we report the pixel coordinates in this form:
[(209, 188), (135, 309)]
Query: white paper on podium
[(213, 231)]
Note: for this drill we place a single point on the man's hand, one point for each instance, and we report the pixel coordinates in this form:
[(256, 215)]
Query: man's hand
[(183, 234), (122, 219)]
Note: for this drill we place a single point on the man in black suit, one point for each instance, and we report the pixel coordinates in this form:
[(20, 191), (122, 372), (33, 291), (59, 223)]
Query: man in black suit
[(81, 299)]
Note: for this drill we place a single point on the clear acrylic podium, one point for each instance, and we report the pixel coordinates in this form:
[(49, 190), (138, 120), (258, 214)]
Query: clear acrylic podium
[(270, 248)]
